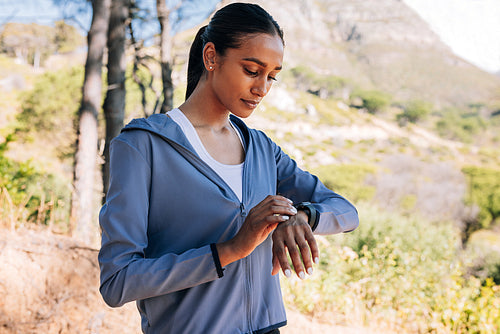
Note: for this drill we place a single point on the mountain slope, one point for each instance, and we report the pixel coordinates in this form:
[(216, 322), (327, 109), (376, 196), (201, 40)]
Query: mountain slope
[(380, 44)]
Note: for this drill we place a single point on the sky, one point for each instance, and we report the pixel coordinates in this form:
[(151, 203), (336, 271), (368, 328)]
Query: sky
[(470, 27), (45, 12), (27, 11)]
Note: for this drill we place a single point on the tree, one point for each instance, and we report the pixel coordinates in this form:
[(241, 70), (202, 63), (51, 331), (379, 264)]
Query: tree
[(30, 43), (114, 104), (165, 54), (86, 154), (67, 38), (169, 25)]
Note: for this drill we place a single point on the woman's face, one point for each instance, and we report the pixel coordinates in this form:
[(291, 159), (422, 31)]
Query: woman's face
[(243, 76)]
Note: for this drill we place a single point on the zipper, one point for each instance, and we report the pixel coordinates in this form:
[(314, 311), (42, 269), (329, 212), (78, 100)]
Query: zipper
[(243, 210), (248, 267)]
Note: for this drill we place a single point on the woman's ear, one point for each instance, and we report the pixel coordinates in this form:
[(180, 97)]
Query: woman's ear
[(209, 56)]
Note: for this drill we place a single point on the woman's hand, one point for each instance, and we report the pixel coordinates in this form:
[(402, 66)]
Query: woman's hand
[(261, 220), (294, 235)]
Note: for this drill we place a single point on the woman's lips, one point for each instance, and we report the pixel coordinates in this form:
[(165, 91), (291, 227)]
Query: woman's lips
[(251, 103)]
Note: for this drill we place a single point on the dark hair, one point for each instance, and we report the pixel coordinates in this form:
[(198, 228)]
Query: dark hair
[(227, 29)]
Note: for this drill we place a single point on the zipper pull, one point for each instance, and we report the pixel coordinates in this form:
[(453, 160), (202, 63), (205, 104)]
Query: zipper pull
[(243, 210)]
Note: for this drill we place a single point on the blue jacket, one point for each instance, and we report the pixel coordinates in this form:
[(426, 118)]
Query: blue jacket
[(164, 209)]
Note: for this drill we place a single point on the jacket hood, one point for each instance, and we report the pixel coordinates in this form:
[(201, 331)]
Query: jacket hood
[(157, 123)]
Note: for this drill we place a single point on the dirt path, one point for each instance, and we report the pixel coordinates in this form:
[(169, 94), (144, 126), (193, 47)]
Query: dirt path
[(300, 324)]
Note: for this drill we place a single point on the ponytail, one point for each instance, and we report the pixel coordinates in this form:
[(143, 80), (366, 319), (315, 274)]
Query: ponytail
[(195, 63)]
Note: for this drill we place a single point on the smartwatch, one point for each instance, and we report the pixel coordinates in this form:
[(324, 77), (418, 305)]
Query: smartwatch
[(312, 213)]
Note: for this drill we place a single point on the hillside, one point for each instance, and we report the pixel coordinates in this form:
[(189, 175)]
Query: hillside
[(382, 44)]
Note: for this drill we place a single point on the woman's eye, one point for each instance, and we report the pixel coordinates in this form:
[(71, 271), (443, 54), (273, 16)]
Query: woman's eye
[(251, 72), (272, 78)]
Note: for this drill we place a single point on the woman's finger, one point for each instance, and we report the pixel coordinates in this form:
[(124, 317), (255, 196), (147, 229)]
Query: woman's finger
[(313, 246)]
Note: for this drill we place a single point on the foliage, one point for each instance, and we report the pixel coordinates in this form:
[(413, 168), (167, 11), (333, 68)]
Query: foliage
[(348, 180), (39, 195), (51, 107), (414, 111), (460, 125), (27, 41), (67, 38), (31, 41), (373, 100), (484, 191), (308, 80), (398, 272), (143, 89), (484, 258)]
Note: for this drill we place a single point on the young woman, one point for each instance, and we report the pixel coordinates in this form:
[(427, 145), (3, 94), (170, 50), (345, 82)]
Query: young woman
[(201, 210)]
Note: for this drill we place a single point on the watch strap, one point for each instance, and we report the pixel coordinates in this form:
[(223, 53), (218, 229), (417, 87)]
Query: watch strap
[(312, 213)]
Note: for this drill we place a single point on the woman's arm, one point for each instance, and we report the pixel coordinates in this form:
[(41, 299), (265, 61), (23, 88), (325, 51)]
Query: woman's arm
[(126, 273), (336, 215)]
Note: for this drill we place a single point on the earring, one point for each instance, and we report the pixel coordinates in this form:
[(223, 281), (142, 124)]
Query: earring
[(211, 68)]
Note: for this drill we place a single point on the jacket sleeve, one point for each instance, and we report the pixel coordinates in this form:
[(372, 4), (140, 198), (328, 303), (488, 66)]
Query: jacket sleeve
[(126, 274), (337, 214)]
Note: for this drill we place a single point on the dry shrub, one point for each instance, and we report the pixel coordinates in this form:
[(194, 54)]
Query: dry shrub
[(434, 189)]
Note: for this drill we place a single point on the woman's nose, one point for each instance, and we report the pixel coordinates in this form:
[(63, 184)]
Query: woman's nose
[(261, 88)]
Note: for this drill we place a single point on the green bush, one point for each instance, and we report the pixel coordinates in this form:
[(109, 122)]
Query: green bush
[(414, 111), (50, 108), (53, 102), (460, 125), (36, 196), (373, 100), (308, 80), (397, 272), (484, 191), (348, 180)]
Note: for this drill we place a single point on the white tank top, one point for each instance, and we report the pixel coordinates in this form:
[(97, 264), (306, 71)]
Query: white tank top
[(231, 174)]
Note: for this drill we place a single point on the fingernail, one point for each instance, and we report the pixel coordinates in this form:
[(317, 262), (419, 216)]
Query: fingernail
[(316, 260), (310, 271), (289, 200), (302, 275), (285, 217), (293, 209), (288, 273)]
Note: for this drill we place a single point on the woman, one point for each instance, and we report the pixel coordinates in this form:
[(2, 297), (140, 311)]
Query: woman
[(192, 202)]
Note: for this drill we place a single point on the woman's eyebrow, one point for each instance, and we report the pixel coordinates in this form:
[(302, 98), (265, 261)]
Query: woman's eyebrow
[(261, 63)]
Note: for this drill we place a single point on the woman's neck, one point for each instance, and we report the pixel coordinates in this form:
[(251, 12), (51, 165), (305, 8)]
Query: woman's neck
[(204, 110), (211, 122)]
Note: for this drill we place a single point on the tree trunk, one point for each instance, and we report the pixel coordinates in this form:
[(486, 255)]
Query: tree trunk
[(81, 224), (165, 56), (114, 104)]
